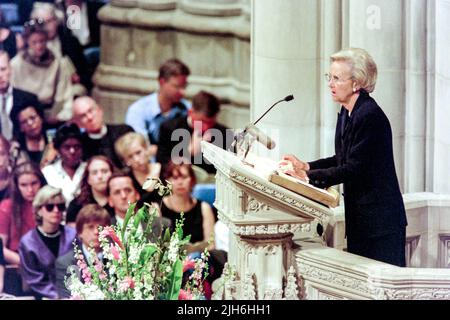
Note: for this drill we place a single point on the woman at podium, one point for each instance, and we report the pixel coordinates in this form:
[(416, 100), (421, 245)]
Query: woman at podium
[(375, 218)]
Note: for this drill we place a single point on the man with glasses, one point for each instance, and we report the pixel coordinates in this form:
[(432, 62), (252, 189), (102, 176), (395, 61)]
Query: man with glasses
[(98, 137), (148, 113), (41, 246), (67, 171)]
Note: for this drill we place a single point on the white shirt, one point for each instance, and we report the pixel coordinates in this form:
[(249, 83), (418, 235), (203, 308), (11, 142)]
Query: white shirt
[(87, 254), (57, 177)]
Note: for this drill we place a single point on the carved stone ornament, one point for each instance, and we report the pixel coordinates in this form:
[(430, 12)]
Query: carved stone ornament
[(248, 288), (291, 290), (255, 206)]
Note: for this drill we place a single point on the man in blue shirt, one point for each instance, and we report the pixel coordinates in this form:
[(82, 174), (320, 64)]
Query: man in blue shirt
[(146, 114)]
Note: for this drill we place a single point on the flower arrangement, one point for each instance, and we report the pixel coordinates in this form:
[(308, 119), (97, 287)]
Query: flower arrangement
[(137, 268)]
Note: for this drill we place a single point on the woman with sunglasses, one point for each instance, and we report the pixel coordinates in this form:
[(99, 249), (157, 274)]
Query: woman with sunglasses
[(16, 213), (41, 246)]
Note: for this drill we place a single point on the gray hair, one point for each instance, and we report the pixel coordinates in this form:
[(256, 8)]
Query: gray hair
[(364, 68), (44, 195)]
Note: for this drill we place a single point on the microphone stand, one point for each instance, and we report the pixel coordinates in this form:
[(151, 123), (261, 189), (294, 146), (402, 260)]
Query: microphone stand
[(242, 140)]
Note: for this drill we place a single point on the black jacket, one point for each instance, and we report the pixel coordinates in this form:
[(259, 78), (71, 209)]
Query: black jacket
[(364, 163)]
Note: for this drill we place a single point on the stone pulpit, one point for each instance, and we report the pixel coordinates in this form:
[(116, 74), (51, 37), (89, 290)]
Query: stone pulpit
[(262, 218)]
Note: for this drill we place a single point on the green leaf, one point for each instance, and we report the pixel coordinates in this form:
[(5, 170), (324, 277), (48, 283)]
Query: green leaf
[(167, 235), (146, 253), (175, 279), (130, 213)]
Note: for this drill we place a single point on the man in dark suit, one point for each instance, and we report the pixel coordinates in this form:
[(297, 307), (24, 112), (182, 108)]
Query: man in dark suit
[(10, 97), (181, 137), (98, 137), (90, 218), (375, 217)]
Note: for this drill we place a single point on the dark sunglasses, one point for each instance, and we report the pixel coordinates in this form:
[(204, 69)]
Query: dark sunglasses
[(50, 206)]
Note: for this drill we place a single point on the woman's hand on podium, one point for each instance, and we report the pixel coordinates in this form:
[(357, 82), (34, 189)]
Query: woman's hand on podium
[(294, 167)]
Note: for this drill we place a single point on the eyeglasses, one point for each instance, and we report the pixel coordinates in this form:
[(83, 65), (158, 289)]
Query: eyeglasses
[(50, 206), (34, 22), (335, 79)]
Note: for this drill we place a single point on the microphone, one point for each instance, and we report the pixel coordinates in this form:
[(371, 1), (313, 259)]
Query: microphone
[(254, 131), (287, 99)]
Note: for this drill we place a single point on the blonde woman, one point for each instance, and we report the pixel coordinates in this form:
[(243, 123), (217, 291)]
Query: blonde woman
[(135, 153), (375, 216)]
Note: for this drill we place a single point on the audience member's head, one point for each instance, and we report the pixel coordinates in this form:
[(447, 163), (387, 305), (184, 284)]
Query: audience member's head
[(89, 219), (46, 12), (35, 38), (181, 176), (95, 178), (121, 192), (28, 121), (87, 114), (49, 206), (5, 71), (133, 150), (27, 179), (205, 108), (68, 143), (173, 76)]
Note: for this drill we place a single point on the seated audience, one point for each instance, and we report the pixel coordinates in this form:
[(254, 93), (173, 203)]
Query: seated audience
[(41, 246), (98, 137), (16, 213), (134, 152), (92, 187), (146, 114), (121, 192), (11, 96), (90, 218), (9, 41), (39, 71), (67, 171), (64, 44), (181, 137)]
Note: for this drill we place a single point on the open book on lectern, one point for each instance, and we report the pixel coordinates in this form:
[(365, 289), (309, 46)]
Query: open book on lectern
[(269, 170)]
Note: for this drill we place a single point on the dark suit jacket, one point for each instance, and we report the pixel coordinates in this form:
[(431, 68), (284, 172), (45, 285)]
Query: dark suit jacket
[(105, 145), (166, 145), (61, 265), (364, 163)]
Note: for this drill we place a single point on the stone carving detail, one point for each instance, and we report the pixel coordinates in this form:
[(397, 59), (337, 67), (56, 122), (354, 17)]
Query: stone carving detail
[(254, 205), (248, 288), (321, 216), (418, 294), (273, 294), (264, 229), (333, 278), (291, 290)]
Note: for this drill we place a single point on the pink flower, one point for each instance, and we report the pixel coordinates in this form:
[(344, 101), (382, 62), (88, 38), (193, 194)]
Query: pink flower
[(109, 232), (102, 276), (98, 267), (185, 295), (188, 264), (127, 283), (115, 252)]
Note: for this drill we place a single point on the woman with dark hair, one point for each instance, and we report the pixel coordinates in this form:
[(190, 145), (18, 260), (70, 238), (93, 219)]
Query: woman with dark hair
[(29, 132), (67, 171), (16, 213), (37, 70), (198, 216), (92, 187), (9, 41)]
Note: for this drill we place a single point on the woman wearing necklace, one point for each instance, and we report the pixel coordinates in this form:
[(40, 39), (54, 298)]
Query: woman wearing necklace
[(40, 247)]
